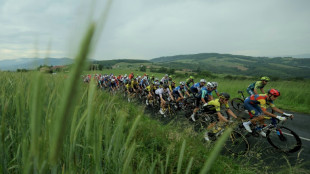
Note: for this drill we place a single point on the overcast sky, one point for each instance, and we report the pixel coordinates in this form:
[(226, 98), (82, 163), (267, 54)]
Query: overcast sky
[(144, 29)]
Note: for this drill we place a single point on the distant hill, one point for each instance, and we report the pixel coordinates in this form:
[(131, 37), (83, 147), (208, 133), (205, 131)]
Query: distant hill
[(32, 63), (284, 67)]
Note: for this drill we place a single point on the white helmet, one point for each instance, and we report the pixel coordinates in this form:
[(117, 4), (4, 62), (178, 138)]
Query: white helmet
[(156, 83), (182, 83), (210, 85), (113, 80), (214, 84), (203, 80)]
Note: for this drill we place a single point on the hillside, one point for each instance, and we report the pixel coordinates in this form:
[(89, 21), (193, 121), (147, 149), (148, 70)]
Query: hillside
[(32, 63), (284, 67)]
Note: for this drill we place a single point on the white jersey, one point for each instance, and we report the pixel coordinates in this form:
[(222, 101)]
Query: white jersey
[(164, 80), (161, 91)]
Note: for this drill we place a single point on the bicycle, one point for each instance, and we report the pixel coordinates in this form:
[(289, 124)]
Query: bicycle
[(237, 143), (278, 136), (238, 103)]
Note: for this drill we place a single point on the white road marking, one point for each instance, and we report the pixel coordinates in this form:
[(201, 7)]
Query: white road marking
[(307, 139)]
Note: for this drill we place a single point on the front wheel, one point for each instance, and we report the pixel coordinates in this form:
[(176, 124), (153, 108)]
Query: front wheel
[(237, 144), (284, 139), (237, 104)]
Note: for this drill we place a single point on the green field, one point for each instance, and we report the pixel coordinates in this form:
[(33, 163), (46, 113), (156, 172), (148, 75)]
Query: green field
[(57, 124)]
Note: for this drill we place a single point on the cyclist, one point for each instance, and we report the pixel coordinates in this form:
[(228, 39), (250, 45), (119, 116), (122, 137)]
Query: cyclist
[(163, 93), (179, 91), (172, 86), (215, 107), (189, 81), (252, 88), (151, 91), (134, 84), (203, 97), (197, 86), (165, 79), (257, 106), (209, 88), (170, 80), (215, 85), (113, 85)]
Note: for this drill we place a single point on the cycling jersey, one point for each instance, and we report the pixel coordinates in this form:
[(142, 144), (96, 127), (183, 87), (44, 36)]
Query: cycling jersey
[(171, 88), (178, 90), (149, 88), (256, 85), (196, 87), (161, 92), (189, 81), (216, 105), (134, 84), (260, 99), (258, 103)]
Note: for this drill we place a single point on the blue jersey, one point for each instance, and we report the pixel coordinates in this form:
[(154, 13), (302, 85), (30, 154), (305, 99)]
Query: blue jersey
[(179, 89), (203, 93)]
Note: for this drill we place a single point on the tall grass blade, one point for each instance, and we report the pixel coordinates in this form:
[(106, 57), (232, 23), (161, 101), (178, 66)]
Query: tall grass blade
[(64, 113), (181, 157), (215, 152), (190, 163)]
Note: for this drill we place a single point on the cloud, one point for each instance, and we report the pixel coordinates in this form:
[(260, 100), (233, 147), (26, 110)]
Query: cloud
[(147, 29)]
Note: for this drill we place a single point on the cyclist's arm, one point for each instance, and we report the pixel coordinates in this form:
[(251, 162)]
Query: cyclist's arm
[(180, 94), (221, 117), (277, 110), (230, 112), (255, 91), (186, 92), (262, 90)]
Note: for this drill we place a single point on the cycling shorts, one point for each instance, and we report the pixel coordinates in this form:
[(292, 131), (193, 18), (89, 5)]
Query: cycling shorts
[(255, 109)]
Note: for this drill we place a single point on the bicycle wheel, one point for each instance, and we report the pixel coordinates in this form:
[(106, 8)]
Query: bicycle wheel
[(284, 139), (237, 103), (237, 144)]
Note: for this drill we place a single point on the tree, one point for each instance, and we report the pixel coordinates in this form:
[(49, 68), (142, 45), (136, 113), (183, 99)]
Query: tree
[(143, 68)]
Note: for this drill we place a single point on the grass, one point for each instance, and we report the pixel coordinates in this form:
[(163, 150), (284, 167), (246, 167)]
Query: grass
[(102, 134), (57, 124)]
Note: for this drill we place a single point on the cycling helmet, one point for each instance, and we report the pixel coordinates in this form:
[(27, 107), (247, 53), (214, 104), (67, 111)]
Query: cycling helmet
[(165, 86), (113, 80), (265, 78), (156, 83), (182, 83), (173, 82), (191, 77), (156, 79), (166, 75), (214, 84), (210, 85), (224, 95), (203, 80), (170, 76), (274, 92)]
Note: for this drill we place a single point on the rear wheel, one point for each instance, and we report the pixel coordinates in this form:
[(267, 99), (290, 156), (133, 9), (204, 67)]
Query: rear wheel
[(237, 104), (237, 144), (284, 139)]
